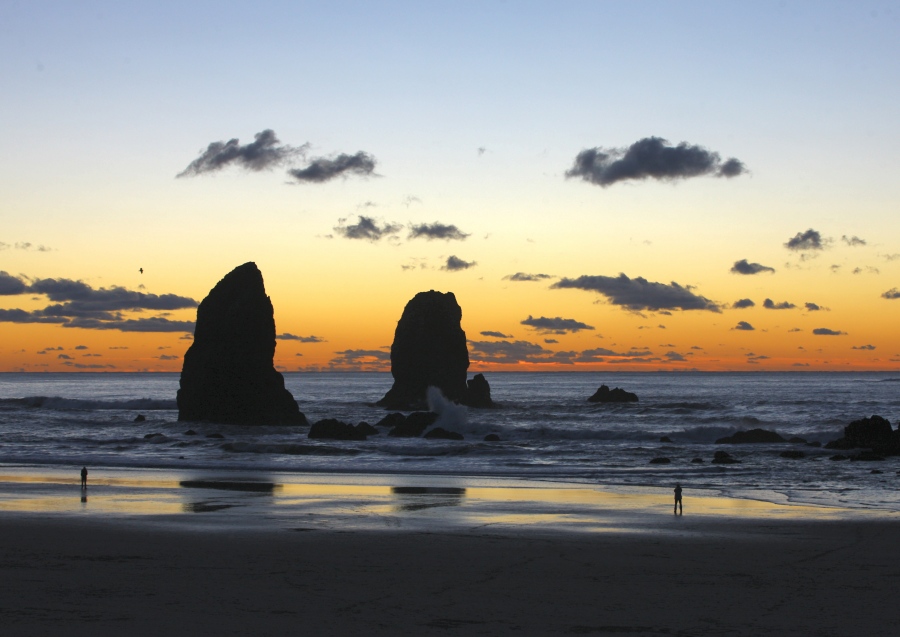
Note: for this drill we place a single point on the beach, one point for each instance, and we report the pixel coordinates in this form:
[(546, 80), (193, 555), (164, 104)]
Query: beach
[(151, 553)]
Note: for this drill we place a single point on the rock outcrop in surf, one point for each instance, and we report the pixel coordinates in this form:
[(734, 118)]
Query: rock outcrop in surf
[(228, 374), (429, 350), (873, 433), (606, 395)]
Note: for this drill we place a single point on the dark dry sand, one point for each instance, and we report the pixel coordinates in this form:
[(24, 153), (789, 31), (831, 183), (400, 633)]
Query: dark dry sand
[(63, 575)]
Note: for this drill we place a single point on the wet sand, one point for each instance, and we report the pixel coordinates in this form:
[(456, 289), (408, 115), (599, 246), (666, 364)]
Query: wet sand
[(336, 555)]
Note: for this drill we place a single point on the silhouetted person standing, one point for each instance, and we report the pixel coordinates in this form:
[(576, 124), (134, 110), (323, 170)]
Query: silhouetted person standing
[(678, 504), (84, 477)]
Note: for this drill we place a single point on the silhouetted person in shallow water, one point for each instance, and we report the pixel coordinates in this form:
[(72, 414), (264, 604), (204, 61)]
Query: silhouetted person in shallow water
[(678, 504), (84, 477)]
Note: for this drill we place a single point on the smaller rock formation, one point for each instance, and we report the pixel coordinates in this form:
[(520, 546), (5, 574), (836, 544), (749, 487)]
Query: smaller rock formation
[(228, 374), (606, 395), (413, 425), (665, 439), (753, 436), (722, 457), (697, 460), (661, 460), (793, 454), (439, 433), (478, 392), (492, 438), (873, 433), (140, 418)]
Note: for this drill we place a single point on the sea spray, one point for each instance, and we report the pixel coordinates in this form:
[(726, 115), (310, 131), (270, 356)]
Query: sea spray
[(450, 415)]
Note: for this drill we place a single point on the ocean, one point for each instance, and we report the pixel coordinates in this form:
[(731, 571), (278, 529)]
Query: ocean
[(548, 431)]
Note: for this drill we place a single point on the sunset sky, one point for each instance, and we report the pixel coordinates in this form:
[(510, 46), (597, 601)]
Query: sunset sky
[(603, 185)]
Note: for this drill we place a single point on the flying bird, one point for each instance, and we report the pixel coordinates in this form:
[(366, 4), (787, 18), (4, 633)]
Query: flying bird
[(141, 270)]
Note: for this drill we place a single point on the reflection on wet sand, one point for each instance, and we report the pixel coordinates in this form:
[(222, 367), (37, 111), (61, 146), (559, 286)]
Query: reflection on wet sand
[(204, 507), (419, 498), (226, 485)]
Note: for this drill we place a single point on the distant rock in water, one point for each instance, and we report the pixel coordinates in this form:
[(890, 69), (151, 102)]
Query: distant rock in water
[(752, 436), (228, 375), (607, 395), (429, 350), (439, 433), (414, 425), (873, 433)]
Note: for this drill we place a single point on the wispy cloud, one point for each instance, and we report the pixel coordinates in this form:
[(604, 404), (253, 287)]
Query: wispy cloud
[(367, 229), (493, 334), (436, 230), (853, 241), (864, 347), (741, 304), (891, 294), (639, 293), (324, 169), (744, 267), (265, 152), (743, 326), (769, 304), (651, 157), (287, 336), (824, 331), (522, 276), (455, 264), (809, 240)]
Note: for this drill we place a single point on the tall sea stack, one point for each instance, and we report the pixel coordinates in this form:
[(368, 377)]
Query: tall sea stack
[(429, 350), (228, 374)]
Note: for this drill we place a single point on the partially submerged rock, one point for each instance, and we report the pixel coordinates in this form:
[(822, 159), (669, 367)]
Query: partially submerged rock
[(439, 433), (228, 374), (723, 457), (429, 350), (606, 395), (413, 425), (873, 433), (750, 437)]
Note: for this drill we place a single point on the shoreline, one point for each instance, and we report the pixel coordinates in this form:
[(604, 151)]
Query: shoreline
[(152, 553)]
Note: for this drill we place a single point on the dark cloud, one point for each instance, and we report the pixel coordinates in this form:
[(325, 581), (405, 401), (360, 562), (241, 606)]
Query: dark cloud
[(262, 153), (77, 304), (744, 267), (11, 285), (507, 351), (436, 231), (367, 228), (653, 158), (522, 276), (599, 354), (454, 264), (864, 347), (640, 294), (82, 347), (824, 331), (743, 326), (741, 304), (152, 324), (814, 307), (675, 357), (302, 339), (769, 304), (21, 316), (550, 341), (361, 359), (493, 334), (853, 241), (89, 365), (65, 357), (893, 293), (322, 169), (556, 325), (167, 357), (809, 240), (867, 270)]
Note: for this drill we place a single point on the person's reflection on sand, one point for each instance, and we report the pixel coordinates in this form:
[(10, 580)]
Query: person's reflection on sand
[(84, 497)]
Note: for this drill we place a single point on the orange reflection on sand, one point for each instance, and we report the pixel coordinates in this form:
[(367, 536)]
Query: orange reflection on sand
[(130, 505)]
